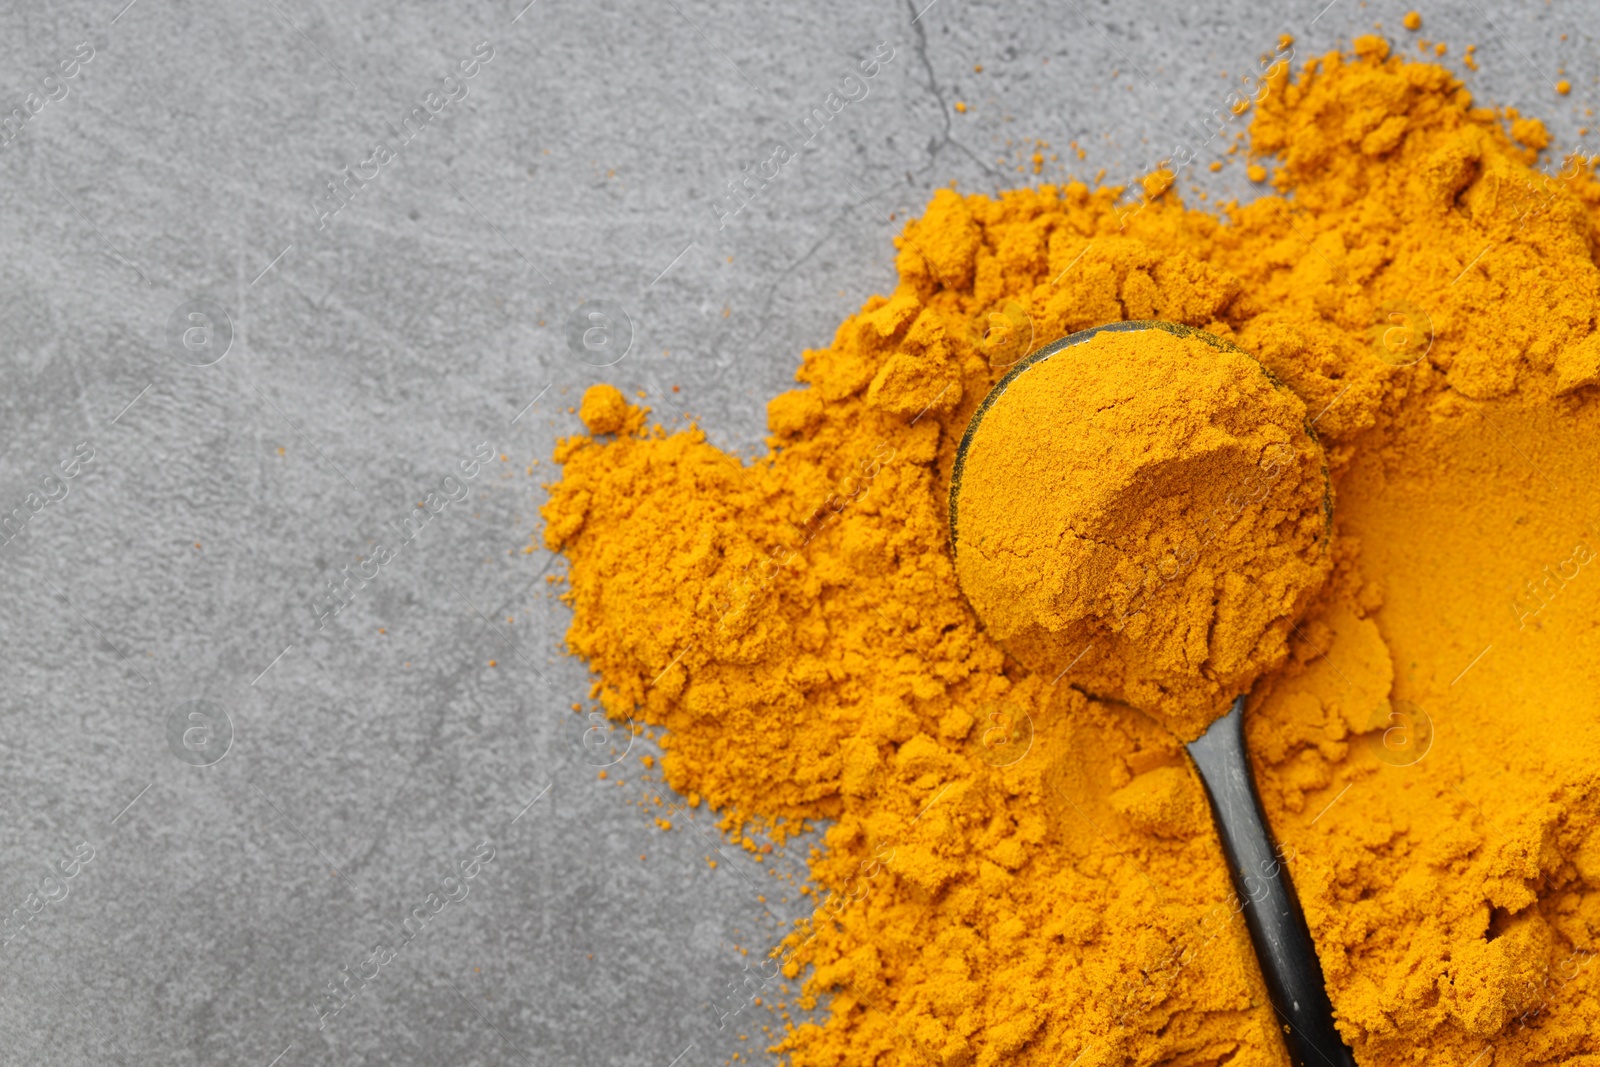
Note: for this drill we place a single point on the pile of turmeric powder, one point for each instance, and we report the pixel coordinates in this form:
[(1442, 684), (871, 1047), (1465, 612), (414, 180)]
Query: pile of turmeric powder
[(1427, 752), (1144, 510)]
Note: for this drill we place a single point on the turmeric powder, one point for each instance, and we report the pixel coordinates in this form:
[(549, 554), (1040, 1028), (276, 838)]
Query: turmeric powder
[(1428, 750), (1147, 512)]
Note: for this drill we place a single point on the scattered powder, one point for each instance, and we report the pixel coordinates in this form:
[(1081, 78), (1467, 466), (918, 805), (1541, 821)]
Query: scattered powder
[(1428, 752), (605, 410)]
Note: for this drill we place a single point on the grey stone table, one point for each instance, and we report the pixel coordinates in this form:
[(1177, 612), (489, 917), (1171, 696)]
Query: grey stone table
[(274, 272)]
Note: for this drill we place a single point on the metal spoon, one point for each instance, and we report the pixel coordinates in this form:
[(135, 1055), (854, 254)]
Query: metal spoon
[(1284, 950)]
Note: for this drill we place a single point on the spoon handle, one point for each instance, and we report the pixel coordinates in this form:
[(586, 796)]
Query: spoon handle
[(1277, 926)]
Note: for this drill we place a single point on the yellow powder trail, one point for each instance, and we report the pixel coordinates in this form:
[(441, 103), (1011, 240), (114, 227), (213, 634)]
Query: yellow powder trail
[(1427, 748)]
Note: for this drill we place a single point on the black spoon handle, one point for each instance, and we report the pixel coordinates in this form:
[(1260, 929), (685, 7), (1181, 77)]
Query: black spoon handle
[(1272, 912)]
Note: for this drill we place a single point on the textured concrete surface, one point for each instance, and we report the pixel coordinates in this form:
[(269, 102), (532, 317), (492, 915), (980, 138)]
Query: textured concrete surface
[(213, 802)]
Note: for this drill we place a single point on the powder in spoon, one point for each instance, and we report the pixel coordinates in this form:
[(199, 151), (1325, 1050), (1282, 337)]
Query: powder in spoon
[(1147, 513)]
